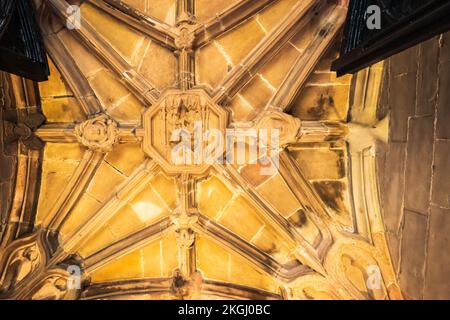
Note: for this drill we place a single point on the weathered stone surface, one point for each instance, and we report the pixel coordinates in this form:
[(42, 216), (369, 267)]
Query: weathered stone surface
[(405, 62), (6, 192), (427, 82), (445, 49), (413, 255), (438, 259), (402, 104), (418, 164), (7, 169), (441, 176), (6, 165), (383, 102), (393, 191), (393, 241), (322, 163), (420, 73), (443, 116)]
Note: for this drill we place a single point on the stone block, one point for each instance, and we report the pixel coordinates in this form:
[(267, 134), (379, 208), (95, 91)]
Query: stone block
[(392, 191), (418, 164), (402, 104), (412, 265), (445, 49), (427, 77), (443, 109), (441, 177), (438, 259), (405, 62)]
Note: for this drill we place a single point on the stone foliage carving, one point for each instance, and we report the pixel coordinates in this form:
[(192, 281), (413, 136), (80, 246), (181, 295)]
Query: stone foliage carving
[(98, 134), (185, 38)]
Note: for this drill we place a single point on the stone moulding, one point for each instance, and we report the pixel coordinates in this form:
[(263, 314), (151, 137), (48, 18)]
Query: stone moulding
[(288, 126)]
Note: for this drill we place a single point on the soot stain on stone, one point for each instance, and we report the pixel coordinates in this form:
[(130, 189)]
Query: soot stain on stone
[(321, 110), (332, 193), (298, 219)]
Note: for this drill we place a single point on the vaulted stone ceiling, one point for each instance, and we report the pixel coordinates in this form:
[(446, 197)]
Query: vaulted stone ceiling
[(141, 227)]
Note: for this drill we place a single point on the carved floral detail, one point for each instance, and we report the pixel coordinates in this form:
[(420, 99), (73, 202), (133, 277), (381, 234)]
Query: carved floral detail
[(98, 134), (185, 38), (185, 238)]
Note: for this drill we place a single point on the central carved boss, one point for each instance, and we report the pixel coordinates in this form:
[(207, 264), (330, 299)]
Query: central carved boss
[(180, 118)]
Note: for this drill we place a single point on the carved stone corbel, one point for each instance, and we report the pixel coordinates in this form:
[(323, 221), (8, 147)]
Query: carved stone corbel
[(362, 269), (19, 261), (184, 42), (55, 284), (98, 134), (25, 274), (23, 131), (186, 287), (315, 287)]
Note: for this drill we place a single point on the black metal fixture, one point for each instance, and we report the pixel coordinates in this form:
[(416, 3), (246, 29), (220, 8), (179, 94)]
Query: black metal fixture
[(21, 48), (404, 23)]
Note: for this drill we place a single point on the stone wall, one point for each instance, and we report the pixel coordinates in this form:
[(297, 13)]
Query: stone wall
[(415, 168), (8, 156)]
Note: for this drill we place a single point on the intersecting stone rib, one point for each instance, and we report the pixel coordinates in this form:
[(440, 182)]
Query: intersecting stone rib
[(308, 198), (300, 185), (75, 187), (321, 131), (184, 51), (154, 29), (75, 79), (305, 63), (126, 245), (303, 251), (131, 187), (139, 85), (228, 19), (184, 217), (64, 133), (268, 47), (258, 258)]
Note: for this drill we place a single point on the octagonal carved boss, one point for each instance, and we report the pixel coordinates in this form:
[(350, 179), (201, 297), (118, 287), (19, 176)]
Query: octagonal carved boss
[(180, 127)]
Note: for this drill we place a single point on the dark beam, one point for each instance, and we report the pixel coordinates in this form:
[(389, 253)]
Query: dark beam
[(404, 25), (21, 48)]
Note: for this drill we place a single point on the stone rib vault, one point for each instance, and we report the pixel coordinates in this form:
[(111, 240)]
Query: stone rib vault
[(109, 201)]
